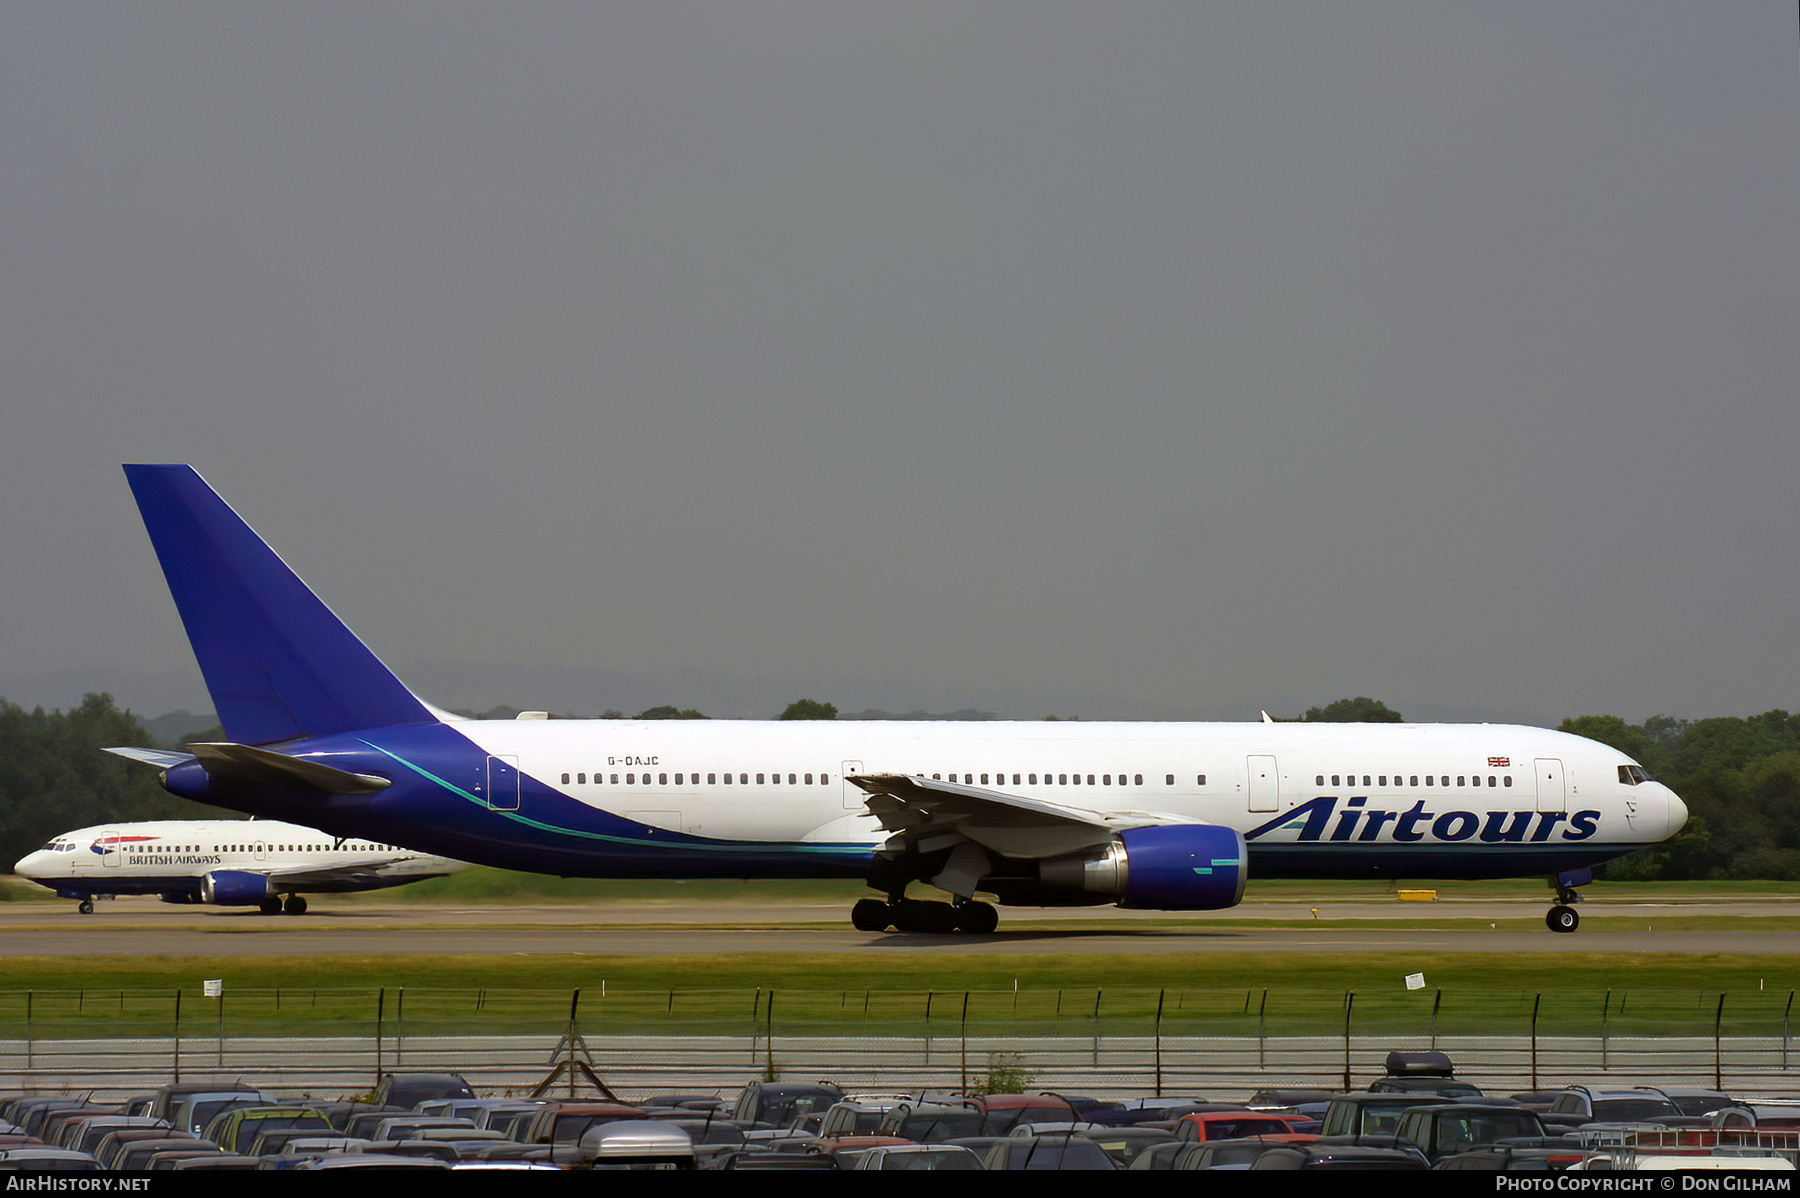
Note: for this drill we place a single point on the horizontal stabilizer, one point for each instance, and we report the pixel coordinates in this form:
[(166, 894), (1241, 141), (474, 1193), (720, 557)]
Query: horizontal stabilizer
[(162, 759), (247, 763)]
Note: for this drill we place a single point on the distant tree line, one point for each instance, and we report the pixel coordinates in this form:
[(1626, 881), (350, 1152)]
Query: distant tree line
[(1740, 779), (54, 777)]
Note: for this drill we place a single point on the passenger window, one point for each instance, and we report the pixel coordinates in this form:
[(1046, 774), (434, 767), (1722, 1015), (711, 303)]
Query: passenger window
[(1200, 780), (1033, 778), (1137, 779), (1169, 780), (1415, 779), (631, 779), (1509, 779), (759, 780), (565, 779)]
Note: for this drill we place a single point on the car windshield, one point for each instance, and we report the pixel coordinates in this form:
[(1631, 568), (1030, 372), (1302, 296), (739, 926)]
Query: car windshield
[(934, 1129), (1627, 1110)]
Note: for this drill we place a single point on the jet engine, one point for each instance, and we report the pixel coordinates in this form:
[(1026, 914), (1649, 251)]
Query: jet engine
[(1169, 867), (234, 888)]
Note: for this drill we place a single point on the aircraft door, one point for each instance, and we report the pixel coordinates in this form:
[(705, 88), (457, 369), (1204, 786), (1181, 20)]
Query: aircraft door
[(1552, 792), (1265, 784), (853, 794), (114, 856), (503, 783)]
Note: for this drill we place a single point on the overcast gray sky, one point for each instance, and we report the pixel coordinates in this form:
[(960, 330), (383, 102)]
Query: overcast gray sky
[(1126, 360)]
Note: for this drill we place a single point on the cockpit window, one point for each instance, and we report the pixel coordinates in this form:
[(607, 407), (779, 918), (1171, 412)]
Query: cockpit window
[(1631, 775)]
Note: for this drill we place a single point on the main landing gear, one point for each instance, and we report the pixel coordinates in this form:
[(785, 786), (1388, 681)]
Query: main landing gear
[(293, 904), (915, 915)]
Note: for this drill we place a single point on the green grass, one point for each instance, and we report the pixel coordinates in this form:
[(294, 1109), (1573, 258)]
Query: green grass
[(1037, 995)]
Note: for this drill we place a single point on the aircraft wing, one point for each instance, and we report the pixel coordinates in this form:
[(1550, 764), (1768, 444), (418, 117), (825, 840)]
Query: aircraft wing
[(365, 875), (927, 815)]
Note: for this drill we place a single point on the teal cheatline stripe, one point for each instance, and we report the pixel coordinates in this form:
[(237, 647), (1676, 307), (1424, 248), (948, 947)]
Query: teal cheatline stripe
[(663, 845), (1232, 861), (1201, 870)]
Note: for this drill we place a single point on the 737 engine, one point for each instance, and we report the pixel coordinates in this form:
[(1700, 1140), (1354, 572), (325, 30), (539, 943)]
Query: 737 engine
[(234, 888)]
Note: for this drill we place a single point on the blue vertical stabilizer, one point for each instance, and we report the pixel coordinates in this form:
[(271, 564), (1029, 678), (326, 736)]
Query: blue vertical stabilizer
[(279, 664)]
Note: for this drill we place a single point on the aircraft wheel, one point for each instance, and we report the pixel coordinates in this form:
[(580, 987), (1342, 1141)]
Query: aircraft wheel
[(1562, 919), (293, 905), (271, 906), (979, 919), (86, 906), (871, 915)]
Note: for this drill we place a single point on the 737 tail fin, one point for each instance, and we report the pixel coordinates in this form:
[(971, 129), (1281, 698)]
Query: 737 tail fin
[(279, 664)]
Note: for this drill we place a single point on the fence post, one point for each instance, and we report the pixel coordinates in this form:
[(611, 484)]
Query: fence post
[(1097, 994), (1719, 1044), (1534, 1021), (380, 1027), (1158, 1033), (177, 1061), (1605, 1037), (929, 995), (769, 1073), (1349, 1002), (31, 1042), (1262, 1030), (1784, 1030), (574, 1005), (964, 1068), (755, 1024), (1437, 1000)]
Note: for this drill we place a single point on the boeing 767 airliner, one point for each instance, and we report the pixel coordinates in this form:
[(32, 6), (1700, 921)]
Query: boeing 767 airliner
[(1165, 816)]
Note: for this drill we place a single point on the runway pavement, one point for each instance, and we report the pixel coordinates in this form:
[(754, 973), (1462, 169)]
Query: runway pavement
[(140, 927)]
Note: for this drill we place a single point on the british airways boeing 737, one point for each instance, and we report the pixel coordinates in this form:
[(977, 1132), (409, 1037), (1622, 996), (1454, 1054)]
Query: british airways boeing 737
[(229, 863), (1163, 816)]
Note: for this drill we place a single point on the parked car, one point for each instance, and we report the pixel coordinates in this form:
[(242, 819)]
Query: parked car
[(1452, 1128)]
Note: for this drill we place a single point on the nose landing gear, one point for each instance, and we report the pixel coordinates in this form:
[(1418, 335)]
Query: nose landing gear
[(1563, 917)]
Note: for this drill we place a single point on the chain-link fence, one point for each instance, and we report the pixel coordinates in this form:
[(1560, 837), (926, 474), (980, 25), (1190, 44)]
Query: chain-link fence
[(1214, 1042)]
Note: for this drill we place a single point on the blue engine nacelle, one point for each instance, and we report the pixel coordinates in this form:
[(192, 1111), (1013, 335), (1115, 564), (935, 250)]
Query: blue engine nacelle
[(1184, 867), (1170, 867), (234, 888)]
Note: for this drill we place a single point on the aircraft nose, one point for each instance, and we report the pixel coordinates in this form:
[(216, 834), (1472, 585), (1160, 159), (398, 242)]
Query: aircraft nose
[(1678, 813), (30, 865)]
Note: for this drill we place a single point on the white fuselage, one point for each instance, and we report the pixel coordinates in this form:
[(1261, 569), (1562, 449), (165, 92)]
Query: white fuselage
[(1395, 788)]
